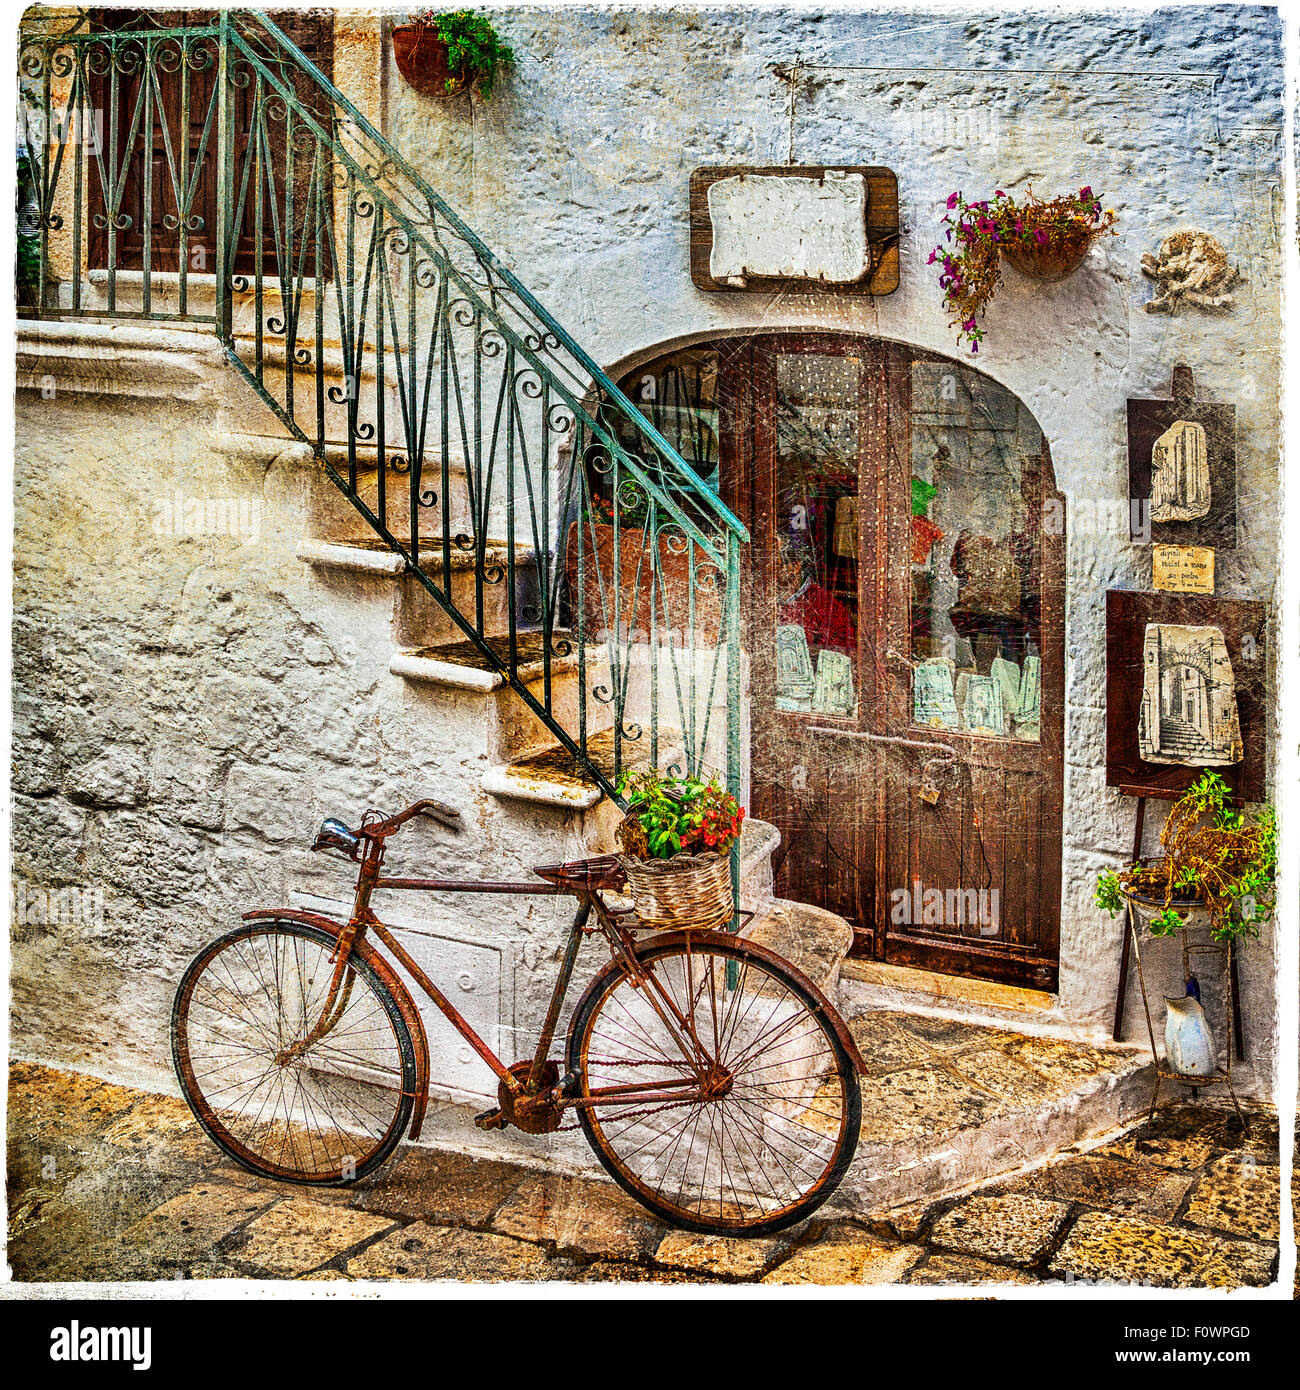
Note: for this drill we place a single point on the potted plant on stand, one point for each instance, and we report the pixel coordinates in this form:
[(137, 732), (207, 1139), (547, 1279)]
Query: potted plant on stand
[(1218, 867), (1044, 239), (444, 54), (676, 837), (1216, 862)]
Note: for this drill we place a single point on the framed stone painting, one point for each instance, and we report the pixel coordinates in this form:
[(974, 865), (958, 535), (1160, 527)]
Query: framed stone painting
[(1184, 692), (1182, 461)]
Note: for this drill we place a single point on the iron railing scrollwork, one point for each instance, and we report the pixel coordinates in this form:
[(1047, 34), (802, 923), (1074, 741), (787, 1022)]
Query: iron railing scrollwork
[(215, 173)]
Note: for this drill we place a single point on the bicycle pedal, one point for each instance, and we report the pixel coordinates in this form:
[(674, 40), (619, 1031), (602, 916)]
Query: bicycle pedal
[(491, 1119)]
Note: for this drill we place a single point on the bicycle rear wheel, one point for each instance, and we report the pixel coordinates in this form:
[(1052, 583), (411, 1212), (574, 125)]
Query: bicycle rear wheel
[(326, 1113), (766, 1138)]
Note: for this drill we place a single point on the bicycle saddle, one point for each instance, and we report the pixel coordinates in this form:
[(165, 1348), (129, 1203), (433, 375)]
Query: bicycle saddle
[(604, 871)]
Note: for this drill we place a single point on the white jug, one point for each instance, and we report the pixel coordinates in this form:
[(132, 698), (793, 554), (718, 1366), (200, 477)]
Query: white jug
[(1189, 1044)]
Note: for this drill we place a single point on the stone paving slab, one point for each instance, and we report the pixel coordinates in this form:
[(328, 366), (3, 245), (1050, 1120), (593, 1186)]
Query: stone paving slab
[(1121, 1249), (576, 1213), (1126, 1188), (297, 1235), (944, 1268), (733, 1256), (440, 1187), (1240, 1195), (1012, 1230), (422, 1251), (196, 1220), (846, 1258)]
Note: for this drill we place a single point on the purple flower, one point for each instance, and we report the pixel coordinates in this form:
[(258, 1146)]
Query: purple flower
[(934, 256), (1086, 194), (952, 200), (968, 325), (1040, 237)]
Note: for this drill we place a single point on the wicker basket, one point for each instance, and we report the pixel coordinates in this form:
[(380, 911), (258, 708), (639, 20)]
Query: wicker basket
[(1056, 260), (690, 892)]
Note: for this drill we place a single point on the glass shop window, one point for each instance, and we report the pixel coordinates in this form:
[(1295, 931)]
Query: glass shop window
[(679, 396), (818, 407), (976, 556)]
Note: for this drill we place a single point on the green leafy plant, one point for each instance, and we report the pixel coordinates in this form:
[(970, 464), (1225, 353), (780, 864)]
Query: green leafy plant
[(474, 50), (27, 269), (976, 235), (1221, 858), (676, 815)]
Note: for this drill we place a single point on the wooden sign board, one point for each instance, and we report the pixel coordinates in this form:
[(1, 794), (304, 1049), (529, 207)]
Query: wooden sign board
[(1182, 569), (881, 230), (1242, 623), (1196, 441)]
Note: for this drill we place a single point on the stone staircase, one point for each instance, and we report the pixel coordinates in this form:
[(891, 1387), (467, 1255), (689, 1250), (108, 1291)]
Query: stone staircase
[(1181, 739)]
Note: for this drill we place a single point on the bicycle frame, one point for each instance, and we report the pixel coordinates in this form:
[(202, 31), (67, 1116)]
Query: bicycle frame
[(526, 1098)]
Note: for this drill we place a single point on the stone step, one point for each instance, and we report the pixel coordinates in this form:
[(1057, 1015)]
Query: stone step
[(812, 939), (464, 666), (948, 1104)]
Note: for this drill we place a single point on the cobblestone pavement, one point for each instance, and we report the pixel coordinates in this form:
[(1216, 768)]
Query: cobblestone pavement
[(108, 1184)]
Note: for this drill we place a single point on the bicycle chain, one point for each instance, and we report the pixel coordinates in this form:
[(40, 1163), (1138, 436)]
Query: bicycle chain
[(637, 1114)]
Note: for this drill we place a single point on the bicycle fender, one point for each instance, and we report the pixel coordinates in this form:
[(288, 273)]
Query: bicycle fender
[(827, 1011), (406, 1005)]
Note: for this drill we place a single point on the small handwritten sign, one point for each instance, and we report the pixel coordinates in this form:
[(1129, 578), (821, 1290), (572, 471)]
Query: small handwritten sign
[(1182, 569)]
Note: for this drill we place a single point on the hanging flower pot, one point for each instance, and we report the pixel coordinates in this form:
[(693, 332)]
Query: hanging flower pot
[(443, 55), (1044, 239), (421, 58), (1054, 259)]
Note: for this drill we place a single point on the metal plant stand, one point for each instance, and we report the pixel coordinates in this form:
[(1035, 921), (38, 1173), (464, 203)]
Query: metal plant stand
[(1231, 1034)]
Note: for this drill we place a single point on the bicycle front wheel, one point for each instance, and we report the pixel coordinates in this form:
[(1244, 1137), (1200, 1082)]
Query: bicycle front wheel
[(323, 1112), (749, 1104)]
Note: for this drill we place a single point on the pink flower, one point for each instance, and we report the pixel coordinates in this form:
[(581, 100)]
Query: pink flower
[(952, 200), (934, 256), (999, 194), (1040, 237), (1086, 194)]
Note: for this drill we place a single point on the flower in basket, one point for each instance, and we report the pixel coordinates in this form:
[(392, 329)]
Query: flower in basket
[(1212, 856), (676, 815), (977, 236)]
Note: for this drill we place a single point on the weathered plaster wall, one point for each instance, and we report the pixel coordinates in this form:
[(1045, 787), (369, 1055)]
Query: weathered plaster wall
[(577, 174), (190, 703)]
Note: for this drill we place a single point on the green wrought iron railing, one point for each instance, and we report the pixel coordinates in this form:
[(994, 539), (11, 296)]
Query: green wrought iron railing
[(469, 430)]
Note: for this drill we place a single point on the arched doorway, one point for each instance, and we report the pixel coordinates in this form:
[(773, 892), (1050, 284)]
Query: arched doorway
[(904, 621)]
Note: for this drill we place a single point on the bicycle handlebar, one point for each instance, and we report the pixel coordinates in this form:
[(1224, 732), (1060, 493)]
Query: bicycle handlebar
[(435, 810), (335, 835)]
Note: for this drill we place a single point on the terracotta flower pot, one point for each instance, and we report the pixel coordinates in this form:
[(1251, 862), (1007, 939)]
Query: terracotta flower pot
[(421, 58), (1062, 254), (671, 593)]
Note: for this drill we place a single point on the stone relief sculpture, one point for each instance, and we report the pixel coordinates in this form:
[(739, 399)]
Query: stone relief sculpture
[(1188, 712), (1191, 267), (1180, 473), (833, 687)]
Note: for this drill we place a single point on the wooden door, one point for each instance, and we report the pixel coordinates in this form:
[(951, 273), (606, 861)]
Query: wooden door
[(804, 445), (174, 132), (929, 535)]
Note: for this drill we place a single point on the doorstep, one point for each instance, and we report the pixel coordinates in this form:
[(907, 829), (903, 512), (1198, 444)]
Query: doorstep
[(872, 984)]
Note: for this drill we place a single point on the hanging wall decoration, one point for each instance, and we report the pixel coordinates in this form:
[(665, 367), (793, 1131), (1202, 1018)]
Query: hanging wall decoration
[(785, 227), (1190, 270), (1182, 462), (1184, 691)]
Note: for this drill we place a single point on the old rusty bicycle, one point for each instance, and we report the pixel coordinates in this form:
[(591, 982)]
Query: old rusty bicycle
[(715, 1083)]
